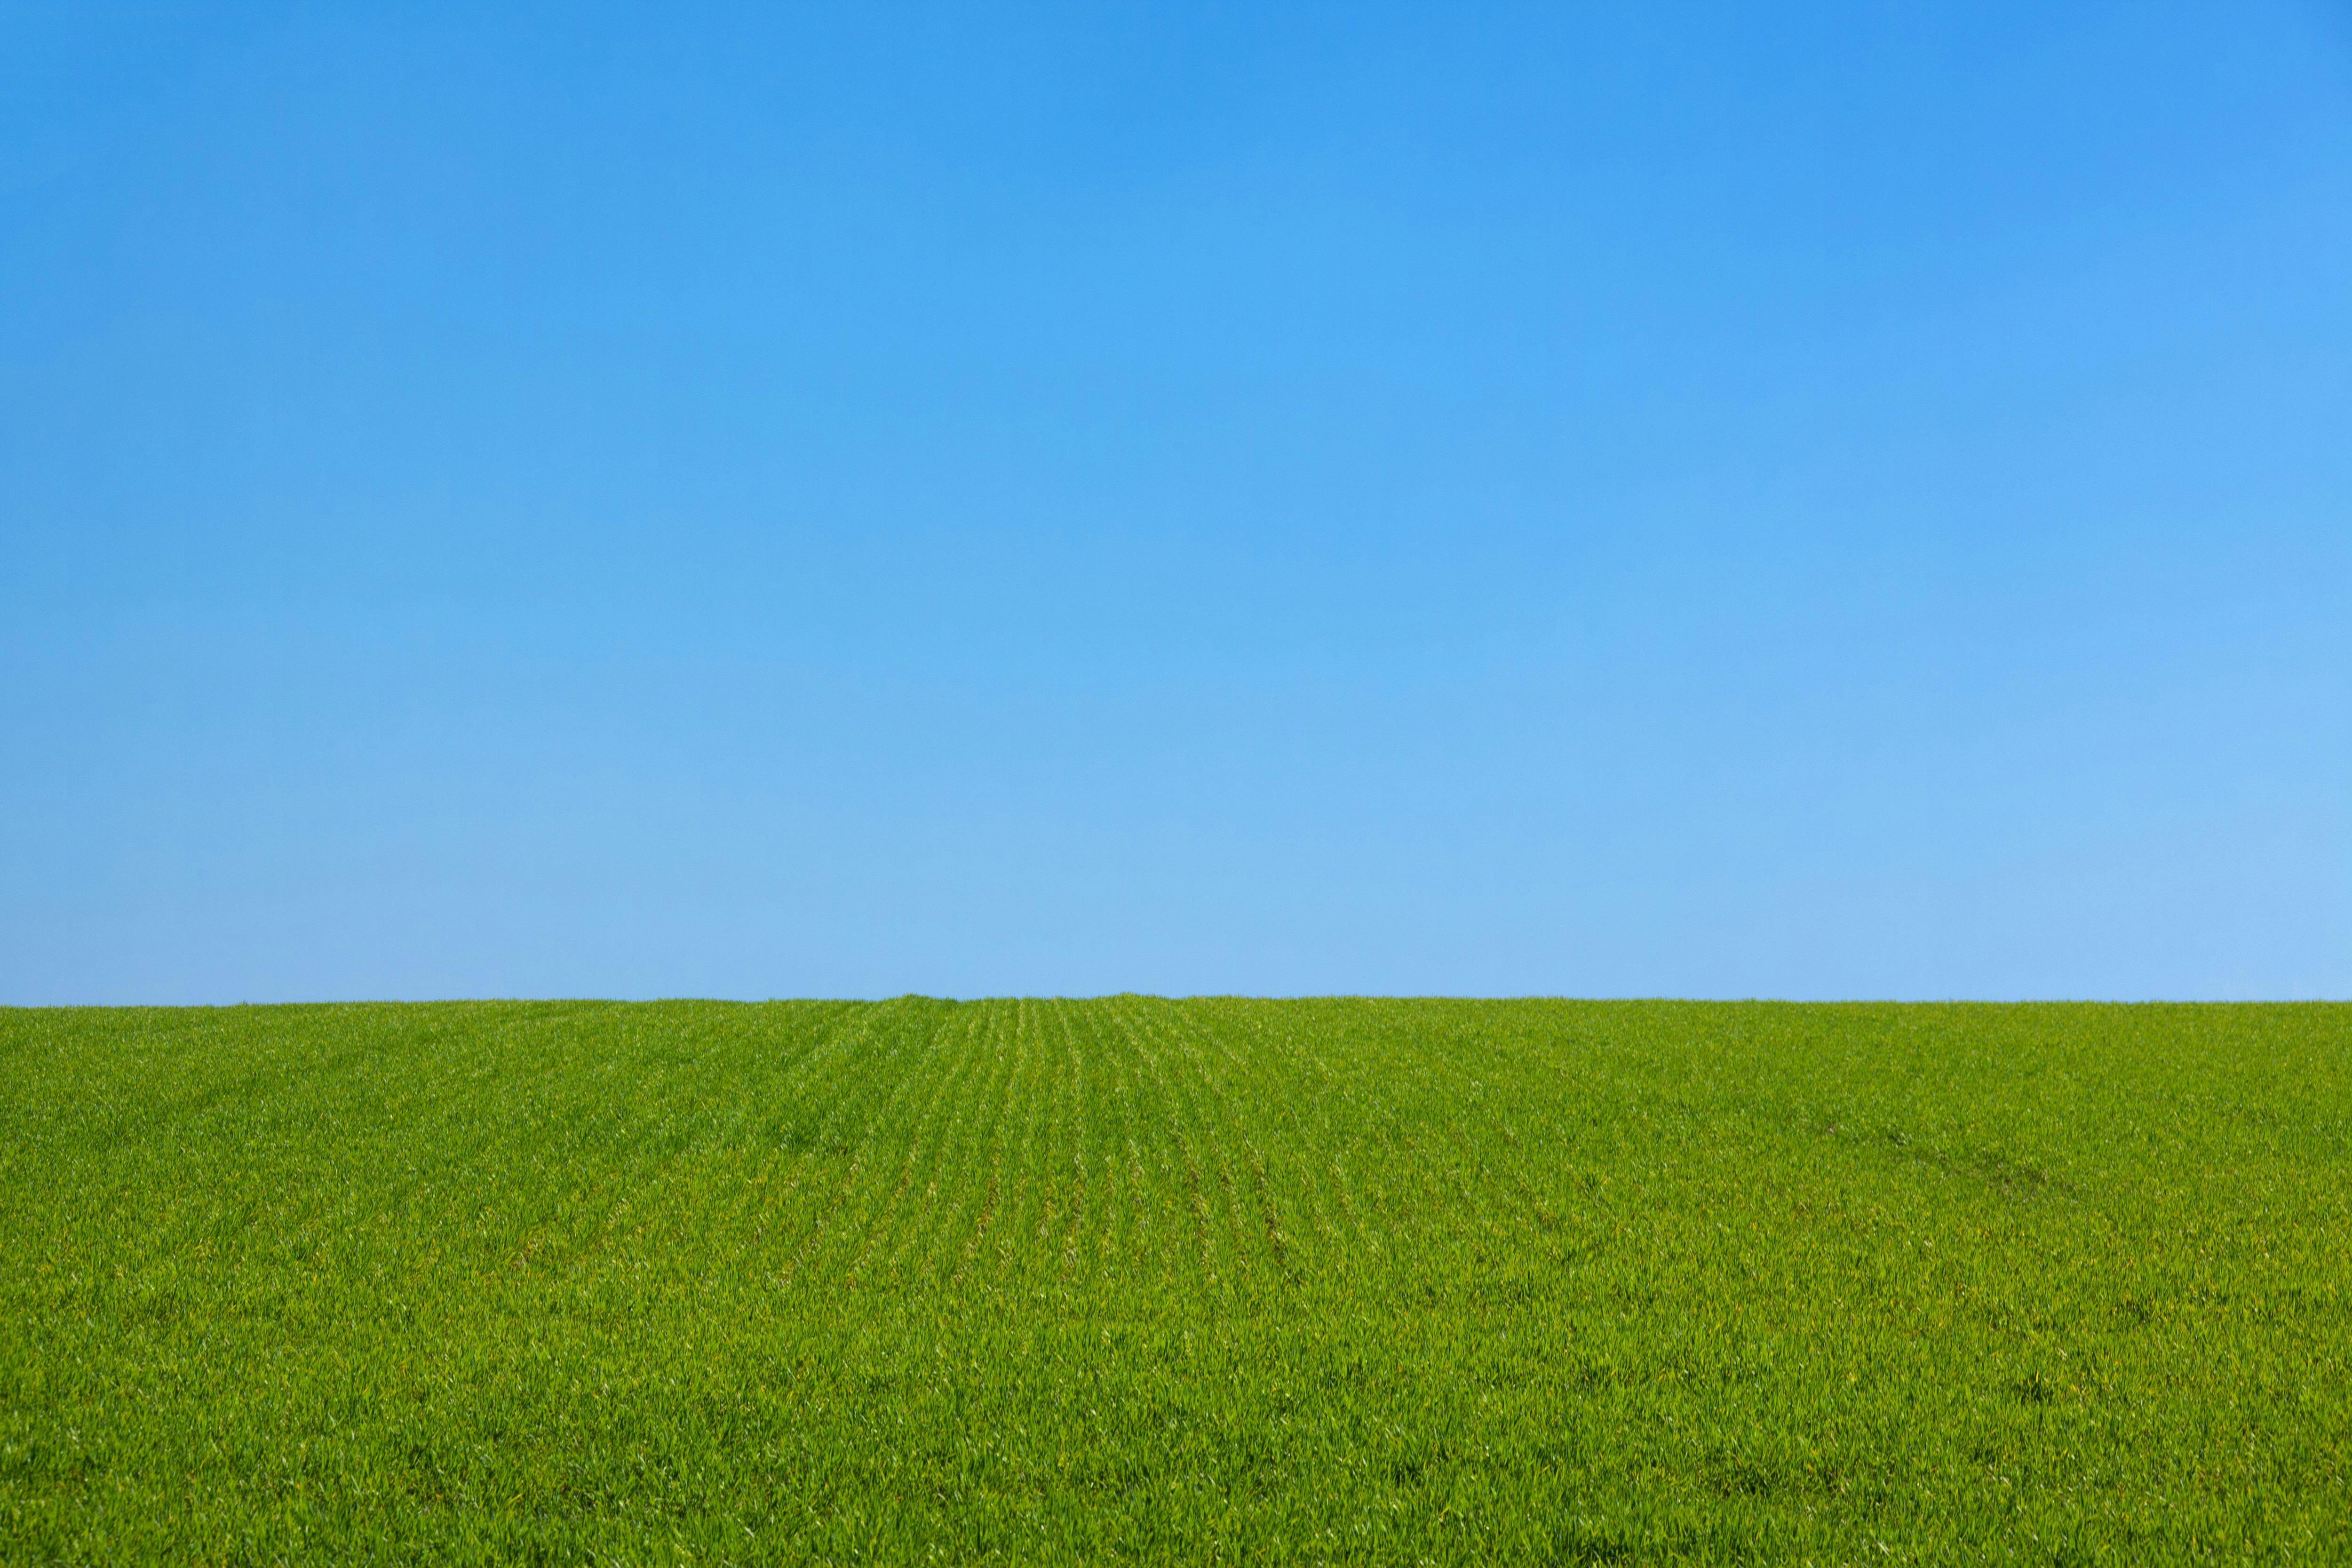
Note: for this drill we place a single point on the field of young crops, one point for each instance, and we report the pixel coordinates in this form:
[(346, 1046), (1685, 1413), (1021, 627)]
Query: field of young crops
[(1141, 1281)]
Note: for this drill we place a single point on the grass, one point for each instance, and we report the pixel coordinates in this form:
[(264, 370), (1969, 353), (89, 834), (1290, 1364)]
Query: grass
[(1141, 1281)]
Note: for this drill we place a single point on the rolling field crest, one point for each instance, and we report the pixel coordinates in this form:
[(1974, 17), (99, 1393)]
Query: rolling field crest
[(1138, 1280)]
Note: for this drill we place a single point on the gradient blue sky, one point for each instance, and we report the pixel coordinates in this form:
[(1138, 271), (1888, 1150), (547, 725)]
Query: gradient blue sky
[(1793, 500)]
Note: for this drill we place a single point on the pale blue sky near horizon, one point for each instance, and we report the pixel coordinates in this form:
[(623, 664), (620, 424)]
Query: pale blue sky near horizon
[(1820, 500)]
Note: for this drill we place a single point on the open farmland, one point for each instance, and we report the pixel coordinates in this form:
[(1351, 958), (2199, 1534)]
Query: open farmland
[(1135, 1279)]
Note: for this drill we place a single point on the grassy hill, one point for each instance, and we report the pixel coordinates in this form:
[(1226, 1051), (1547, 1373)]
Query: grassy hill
[(1176, 1281)]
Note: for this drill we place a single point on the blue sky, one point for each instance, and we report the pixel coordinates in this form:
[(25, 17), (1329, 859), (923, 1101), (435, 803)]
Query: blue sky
[(1832, 500)]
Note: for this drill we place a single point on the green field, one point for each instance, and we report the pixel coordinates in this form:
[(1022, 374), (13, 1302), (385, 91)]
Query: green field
[(1141, 1281)]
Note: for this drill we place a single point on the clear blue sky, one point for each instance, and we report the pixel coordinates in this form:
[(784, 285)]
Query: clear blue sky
[(1718, 500)]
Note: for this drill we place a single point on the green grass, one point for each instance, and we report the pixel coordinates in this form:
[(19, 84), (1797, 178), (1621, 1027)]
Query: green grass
[(1216, 1280)]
